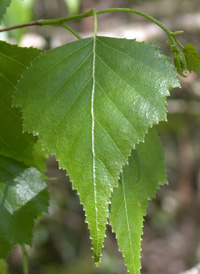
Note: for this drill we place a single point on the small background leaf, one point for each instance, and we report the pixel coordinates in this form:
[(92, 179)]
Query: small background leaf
[(23, 197), (192, 57), (3, 5), (138, 183)]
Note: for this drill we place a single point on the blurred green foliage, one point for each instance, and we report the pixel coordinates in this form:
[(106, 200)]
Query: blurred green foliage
[(73, 6), (19, 12)]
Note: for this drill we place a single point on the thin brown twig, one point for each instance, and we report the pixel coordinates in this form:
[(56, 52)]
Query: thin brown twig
[(60, 21), (33, 23)]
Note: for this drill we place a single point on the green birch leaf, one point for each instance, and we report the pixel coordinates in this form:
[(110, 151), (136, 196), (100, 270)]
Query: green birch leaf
[(3, 5), (138, 183), (23, 198), (90, 102), (192, 57), (13, 143)]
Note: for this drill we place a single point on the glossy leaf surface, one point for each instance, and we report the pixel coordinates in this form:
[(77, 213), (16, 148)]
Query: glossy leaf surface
[(23, 197), (138, 183), (90, 102)]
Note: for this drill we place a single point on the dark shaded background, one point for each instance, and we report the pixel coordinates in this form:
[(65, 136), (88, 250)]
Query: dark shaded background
[(171, 240)]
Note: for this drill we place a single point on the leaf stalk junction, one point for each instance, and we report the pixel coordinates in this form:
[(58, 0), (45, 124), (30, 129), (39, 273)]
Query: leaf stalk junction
[(61, 21), (175, 44)]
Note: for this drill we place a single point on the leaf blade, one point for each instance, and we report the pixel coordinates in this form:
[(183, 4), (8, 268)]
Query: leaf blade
[(23, 197), (192, 57), (138, 183), (3, 5), (58, 108), (13, 143)]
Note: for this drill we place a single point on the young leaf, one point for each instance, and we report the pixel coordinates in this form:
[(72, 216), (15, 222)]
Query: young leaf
[(13, 143), (192, 57), (23, 197), (90, 102), (138, 183), (3, 5)]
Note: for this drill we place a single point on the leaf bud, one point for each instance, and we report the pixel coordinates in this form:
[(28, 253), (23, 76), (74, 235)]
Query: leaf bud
[(179, 60)]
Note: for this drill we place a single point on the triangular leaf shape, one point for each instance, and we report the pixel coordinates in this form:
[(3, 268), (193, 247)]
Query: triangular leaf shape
[(3, 5), (90, 102), (138, 183), (192, 57), (13, 143), (23, 197)]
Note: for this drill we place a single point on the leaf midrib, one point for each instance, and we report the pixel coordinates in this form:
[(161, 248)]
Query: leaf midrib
[(93, 140)]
